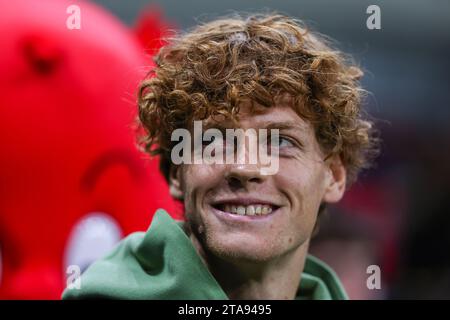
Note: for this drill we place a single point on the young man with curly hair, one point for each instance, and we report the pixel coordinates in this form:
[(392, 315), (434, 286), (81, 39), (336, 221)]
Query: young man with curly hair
[(246, 234)]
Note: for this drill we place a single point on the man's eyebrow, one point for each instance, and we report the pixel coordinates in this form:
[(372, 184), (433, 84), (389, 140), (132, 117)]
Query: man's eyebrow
[(283, 125), (221, 126)]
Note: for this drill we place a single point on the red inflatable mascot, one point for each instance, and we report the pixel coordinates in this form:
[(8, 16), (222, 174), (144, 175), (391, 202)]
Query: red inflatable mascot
[(72, 182)]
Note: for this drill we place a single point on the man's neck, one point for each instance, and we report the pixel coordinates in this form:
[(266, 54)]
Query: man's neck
[(277, 279)]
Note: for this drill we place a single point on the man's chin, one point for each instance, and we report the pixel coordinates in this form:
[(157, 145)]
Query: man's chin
[(242, 250)]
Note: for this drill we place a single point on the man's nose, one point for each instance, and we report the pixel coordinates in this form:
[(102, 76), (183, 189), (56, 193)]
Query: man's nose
[(247, 167), (240, 175)]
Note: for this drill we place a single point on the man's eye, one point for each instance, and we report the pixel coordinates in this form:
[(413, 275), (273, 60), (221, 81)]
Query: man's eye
[(283, 142)]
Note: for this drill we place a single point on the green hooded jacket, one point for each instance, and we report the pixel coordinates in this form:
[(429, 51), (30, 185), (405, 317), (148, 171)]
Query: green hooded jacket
[(163, 264)]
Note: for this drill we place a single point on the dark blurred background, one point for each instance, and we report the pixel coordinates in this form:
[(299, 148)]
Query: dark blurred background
[(398, 215)]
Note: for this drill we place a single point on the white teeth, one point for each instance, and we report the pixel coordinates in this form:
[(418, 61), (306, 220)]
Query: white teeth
[(264, 210), (250, 210), (241, 210)]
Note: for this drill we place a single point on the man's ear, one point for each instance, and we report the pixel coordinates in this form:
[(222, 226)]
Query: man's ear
[(336, 179), (175, 182)]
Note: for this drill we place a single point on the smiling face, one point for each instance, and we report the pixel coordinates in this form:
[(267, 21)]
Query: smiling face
[(238, 214)]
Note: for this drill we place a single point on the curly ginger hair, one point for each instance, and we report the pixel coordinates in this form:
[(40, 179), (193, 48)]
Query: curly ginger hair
[(210, 70)]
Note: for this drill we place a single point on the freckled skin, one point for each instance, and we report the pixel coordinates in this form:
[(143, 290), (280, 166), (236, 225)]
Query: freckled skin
[(301, 184)]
